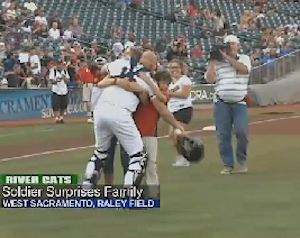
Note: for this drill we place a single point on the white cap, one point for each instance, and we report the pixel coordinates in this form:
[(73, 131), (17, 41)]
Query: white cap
[(231, 39)]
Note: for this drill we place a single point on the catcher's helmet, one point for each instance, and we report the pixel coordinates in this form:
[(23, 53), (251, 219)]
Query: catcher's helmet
[(192, 149)]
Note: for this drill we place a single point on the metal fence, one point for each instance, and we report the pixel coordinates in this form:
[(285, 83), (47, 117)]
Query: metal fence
[(276, 69)]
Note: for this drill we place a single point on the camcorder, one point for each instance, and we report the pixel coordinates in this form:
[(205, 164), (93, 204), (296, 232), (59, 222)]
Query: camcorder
[(215, 53)]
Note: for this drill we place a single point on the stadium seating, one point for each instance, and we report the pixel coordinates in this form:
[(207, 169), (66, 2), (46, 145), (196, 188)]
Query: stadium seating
[(98, 17)]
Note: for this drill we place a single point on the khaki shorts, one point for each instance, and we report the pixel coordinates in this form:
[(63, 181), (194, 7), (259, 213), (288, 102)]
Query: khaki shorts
[(87, 92)]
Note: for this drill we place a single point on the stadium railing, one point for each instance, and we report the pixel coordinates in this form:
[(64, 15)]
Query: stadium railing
[(275, 69)]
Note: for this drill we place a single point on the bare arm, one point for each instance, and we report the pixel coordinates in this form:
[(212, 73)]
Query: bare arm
[(122, 83), (153, 87), (211, 72), (166, 114), (184, 93)]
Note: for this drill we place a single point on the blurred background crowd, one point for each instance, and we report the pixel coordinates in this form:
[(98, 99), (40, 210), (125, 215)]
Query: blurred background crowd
[(36, 35)]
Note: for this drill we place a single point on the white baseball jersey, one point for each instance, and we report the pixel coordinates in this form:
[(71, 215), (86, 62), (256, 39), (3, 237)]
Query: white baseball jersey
[(117, 96)]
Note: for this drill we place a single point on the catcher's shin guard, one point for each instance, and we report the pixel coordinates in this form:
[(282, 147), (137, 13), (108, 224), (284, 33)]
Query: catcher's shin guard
[(94, 167), (136, 169)]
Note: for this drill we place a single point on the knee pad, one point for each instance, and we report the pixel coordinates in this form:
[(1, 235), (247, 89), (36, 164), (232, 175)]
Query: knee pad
[(95, 165), (136, 169)]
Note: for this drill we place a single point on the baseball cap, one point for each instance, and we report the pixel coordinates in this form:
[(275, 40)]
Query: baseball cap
[(231, 39)]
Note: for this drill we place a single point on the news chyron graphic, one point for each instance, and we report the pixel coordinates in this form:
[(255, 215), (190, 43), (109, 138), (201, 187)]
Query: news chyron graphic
[(63, 191)]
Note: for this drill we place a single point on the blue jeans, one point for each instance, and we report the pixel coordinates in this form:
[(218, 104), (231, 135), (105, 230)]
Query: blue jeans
[(227, 117)]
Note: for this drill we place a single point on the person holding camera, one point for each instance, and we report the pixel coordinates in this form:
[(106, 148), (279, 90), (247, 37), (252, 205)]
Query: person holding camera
[(230, 73), (59, 77)]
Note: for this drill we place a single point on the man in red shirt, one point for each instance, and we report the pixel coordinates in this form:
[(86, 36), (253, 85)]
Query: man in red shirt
[(86, 78)]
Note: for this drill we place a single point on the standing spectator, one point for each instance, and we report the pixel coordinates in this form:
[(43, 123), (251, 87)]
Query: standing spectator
[(54, 32), (180, 103), (231, 76), (10, 65), (35, 66), (59, 77), (87, 80)]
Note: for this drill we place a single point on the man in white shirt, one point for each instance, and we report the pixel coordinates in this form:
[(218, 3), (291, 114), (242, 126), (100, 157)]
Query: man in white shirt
[(54, 32), (59, 77)]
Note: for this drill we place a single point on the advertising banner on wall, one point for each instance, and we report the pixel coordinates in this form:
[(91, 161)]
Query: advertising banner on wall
[(18, 104)]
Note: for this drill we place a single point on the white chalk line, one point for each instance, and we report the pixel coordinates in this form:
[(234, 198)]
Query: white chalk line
[(160, 137)]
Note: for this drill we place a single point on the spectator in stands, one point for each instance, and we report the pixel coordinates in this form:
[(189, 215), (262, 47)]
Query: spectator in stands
[(178, 49), (54, 32), (56, 19), (146, 45), (6, 4), (197, 52), (31, 5), (10, 65), (135, 4), (68, 34), (35, 66), (117, 50), (219, 22), (193, 12), (117, 33), (245, 20), (256, 57), (42, 31), (160, 45), (40, 18), (75, 27), (12, 39), (130, 42), (11, 14), (286, 49), (2, 52)]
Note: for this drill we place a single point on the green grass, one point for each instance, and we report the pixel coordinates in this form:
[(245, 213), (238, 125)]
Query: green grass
[(196, 201)]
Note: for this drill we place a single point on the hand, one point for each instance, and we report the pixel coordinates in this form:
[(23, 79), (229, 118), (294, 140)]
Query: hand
[(224, 54), (179, 130)]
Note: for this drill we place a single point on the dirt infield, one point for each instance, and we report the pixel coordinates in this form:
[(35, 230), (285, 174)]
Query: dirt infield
[(283, 119)]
